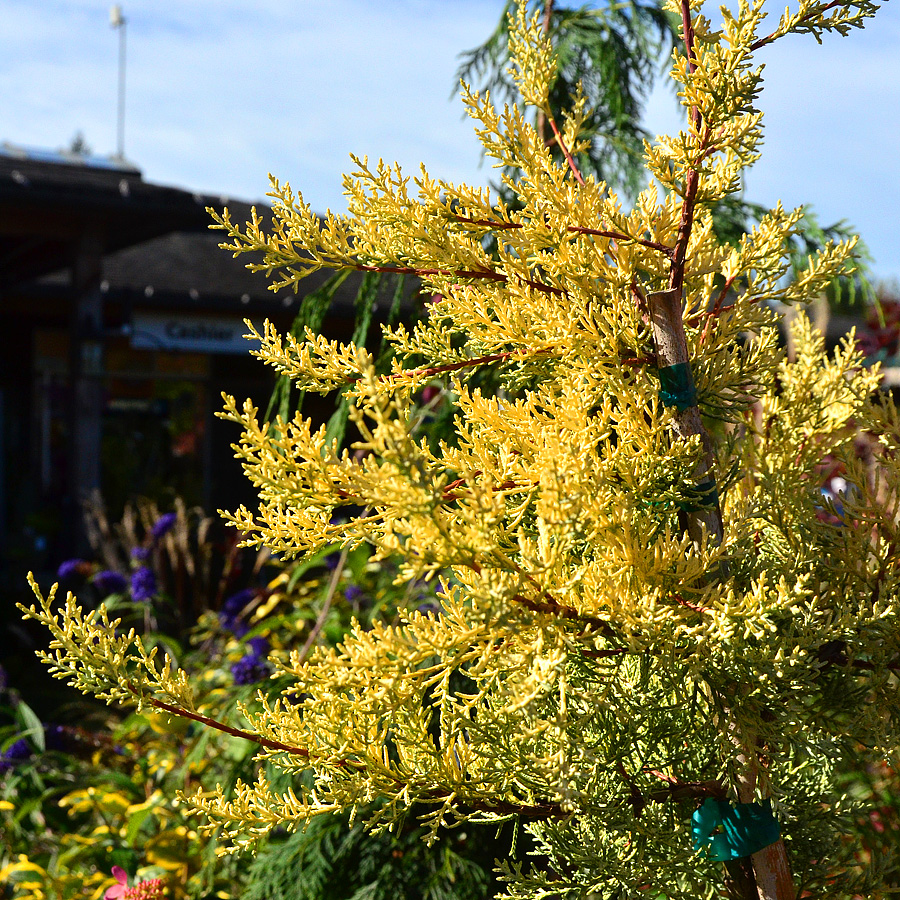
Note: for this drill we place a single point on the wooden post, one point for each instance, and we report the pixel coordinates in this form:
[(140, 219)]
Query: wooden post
[(86, 367)]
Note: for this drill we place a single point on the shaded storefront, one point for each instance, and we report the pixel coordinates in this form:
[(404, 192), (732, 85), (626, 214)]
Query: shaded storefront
[(121, 324)]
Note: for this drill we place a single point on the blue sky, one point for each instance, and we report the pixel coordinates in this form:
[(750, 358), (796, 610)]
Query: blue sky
[(221, 92)]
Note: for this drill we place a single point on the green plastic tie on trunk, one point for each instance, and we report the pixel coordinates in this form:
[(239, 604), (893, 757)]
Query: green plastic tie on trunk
[(733, 832), (708, 497), (676, 386)]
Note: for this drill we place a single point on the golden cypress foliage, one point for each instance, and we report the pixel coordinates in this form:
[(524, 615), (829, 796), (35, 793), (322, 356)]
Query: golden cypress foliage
[(647, 602)]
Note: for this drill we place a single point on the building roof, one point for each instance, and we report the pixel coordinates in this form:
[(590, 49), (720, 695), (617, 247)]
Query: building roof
[(50, 201), (191, 264), (157, 247)]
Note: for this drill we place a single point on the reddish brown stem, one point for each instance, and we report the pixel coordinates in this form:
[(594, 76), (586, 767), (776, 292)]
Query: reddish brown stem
[(692, 179), (503, 807), (688, 25), (493, 224), (650, 360), (465, 364), (543, 118), (221, 726), (711, 313), (640, 300), (717, 307), (688, 790), (487, 274), (771, 37), (573, 166), (679, 254), (687, 605), (546, 604), (675, 790), (603, 654), (430, 371), (548, 15), (450, 491), (617, 236), (535, 811), (575, 229)]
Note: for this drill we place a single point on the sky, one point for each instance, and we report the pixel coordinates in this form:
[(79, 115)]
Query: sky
[(219, 93)]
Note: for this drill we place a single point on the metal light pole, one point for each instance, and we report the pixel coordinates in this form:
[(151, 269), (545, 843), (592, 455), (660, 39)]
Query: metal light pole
[(117, 20)]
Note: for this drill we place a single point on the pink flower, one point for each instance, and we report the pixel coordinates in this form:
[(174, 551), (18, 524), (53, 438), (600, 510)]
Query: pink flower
[(152, 889), (143, 890), (119, 889)]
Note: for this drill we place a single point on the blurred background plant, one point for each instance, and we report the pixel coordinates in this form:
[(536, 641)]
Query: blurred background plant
[(87, 790)]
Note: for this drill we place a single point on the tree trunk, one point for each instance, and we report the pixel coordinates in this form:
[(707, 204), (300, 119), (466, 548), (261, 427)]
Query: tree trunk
[(769, 876)]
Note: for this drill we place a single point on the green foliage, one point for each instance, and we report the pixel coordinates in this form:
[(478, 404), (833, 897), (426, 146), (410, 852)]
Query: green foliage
[(100, 794), (329, 861)]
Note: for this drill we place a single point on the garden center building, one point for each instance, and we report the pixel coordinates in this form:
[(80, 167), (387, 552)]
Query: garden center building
[(121, 322)]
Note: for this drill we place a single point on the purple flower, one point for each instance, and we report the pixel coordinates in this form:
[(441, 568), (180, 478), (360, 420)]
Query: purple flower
[(249, 669), (229, 615), (108, 582), (163, 525), (353, 593), (14, 753), (236, 602), (143, 584), (69, 568), (233, 624), (260, 645), (140, 554), (54, 737)]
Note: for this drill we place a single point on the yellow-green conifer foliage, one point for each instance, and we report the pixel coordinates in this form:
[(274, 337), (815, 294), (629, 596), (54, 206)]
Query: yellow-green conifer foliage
[(647, 601)]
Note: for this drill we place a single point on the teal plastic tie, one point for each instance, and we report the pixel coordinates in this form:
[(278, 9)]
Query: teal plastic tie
[(676, 386), (733, 832), (708, 497)]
